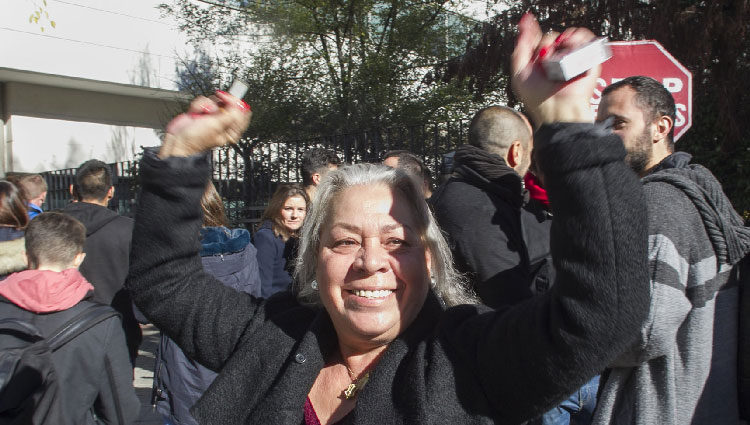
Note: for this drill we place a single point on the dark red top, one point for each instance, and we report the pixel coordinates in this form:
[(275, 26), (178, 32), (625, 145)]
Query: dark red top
[(311, 418)]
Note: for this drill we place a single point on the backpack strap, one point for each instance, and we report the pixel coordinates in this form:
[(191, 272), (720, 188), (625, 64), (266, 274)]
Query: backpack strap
[(22, 328), (79, 324)]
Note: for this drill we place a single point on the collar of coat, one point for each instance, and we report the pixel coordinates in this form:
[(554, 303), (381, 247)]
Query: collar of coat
[(489, 172)]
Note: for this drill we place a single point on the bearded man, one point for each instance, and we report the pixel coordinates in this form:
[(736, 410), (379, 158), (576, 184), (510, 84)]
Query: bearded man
[(683, 368)]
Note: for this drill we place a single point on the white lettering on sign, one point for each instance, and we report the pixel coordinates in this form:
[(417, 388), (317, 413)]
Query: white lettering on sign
[(679, 118), (674, 85), (598, 93)]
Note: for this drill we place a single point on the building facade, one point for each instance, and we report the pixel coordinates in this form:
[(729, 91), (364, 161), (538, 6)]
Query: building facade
[(85, 79)]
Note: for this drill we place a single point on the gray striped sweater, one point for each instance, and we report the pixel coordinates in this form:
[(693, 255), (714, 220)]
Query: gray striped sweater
[(683, 368)]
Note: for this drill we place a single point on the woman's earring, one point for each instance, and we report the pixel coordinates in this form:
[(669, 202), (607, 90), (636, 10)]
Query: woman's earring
[(314, 285)]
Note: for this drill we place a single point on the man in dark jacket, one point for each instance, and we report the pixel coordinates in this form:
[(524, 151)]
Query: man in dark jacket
[(683, 367), (93, 369), (107, 244), (498, 236)]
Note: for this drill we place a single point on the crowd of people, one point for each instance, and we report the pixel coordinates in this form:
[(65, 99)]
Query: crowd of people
[(569, 269)]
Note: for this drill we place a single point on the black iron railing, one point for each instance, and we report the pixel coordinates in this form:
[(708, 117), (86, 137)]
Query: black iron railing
[(247, 175)]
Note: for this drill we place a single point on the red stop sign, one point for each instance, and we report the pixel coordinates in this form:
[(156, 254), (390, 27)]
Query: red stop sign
[(649, 58)]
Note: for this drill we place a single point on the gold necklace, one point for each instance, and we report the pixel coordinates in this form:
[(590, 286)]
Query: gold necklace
[(356, 385)]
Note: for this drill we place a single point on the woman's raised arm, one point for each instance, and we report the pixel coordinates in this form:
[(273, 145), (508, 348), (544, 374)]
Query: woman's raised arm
[(166, 277), (532, 356)]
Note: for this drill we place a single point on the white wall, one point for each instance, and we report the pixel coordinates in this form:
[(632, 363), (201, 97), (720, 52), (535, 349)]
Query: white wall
[(67, 145), (117, 41), (111, 53)]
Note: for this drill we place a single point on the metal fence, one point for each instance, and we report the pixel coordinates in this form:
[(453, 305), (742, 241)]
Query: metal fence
[(124, 179), (247, 175)]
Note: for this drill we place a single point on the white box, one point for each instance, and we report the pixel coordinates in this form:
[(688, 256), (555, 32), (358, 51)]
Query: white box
[(566, 66)]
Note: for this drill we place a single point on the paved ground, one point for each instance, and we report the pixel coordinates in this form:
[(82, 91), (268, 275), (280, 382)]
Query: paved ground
[(144, 375)]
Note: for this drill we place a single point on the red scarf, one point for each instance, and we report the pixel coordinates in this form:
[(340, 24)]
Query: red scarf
[(536, 191)]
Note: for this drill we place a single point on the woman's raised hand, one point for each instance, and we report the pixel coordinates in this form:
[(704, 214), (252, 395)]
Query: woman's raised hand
[(208, 123), (546, 100)]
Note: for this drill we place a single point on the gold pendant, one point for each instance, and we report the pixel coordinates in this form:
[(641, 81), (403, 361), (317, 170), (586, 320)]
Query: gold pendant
[(351, 391)]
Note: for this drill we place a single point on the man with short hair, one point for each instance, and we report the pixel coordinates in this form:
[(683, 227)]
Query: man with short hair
[(498, 234), (316, 163), (413, 166), (683, 368), (34, 189), (494, 230), (391, 157), (107, 244)]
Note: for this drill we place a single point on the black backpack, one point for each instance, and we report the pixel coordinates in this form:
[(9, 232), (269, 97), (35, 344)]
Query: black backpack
[(29, 387)]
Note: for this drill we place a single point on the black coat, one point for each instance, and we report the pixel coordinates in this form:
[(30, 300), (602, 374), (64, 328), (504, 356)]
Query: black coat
[(93, 369), (274, 257), (499, 238), (467, 364), (107, 250)]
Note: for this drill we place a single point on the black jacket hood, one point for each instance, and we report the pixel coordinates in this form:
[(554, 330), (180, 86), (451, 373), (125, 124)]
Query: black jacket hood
[(489, 172), (93, 216)]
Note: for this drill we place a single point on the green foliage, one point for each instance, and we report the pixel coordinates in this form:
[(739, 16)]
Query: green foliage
[(709, 37), (320, 67)]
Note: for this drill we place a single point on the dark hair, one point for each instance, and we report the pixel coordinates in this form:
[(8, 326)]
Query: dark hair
[(53, 239), (395, 153), (654, 100), (93, 180), (273, 211), (213, 207), (413, 166), (12, 206), (494, 128), (316, 160)]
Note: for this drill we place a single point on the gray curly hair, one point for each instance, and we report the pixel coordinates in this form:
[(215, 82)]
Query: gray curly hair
[(448, 284)]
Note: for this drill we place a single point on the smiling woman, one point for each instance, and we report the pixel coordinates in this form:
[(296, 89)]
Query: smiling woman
[(277, 237), (405, 226), (374, 251), (379, 329)]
